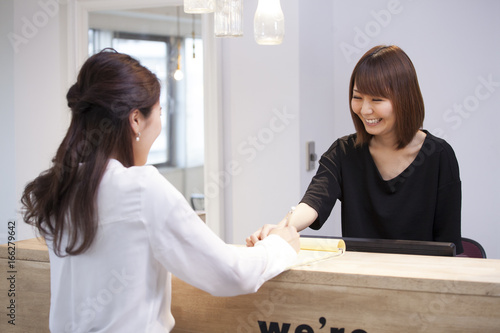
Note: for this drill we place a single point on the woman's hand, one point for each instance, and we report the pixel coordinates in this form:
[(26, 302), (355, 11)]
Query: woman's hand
[(290, 234), (299, 217), (263, 232)]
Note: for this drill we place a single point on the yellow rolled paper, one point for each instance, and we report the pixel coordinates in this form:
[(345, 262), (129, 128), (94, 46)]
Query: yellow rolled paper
[(322, 244)]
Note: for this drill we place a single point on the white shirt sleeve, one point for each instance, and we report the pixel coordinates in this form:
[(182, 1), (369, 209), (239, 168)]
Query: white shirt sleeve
[(187, 248)]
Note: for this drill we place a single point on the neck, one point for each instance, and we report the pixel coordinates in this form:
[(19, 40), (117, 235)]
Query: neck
[(389, 142), (384, 141)]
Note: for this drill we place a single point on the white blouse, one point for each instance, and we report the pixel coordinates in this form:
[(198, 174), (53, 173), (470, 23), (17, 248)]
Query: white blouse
[(147, 231)]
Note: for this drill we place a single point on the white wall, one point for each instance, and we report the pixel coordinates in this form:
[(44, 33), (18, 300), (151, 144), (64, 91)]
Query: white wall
[(260, 101), (7, 146), (34, 109), (318, 87)]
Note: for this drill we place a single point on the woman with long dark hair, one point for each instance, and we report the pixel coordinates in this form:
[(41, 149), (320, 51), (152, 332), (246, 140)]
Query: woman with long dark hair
[(394, 179), (116, 229)]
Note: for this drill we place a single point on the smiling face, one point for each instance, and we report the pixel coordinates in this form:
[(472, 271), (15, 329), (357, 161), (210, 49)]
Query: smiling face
[(384, 96), (376, 113)]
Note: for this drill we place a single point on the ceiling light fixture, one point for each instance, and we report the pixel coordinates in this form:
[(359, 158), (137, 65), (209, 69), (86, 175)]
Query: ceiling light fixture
[(199, 6), (269, 23), (178, 75), (228, 18)]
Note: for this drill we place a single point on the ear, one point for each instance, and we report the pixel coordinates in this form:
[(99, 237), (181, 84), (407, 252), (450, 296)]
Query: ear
[(135, 120)]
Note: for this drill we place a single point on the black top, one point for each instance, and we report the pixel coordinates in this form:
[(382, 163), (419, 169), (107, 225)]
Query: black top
[(422, 203)]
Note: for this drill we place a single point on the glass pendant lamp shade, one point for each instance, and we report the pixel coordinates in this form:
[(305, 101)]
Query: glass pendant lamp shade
[(269, 23), (199, 6), (228, 18)]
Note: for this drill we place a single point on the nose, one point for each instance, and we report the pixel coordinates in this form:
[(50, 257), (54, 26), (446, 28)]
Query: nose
[(366, 108)]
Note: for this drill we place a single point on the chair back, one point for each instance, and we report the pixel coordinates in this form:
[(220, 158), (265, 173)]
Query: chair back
[(472, 249)]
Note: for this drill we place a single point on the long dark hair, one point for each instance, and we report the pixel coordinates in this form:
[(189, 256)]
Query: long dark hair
[(387, 71), (61, 202)]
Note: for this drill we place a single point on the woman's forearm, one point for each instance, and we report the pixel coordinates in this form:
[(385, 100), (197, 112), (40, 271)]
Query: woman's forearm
[(302, 216)]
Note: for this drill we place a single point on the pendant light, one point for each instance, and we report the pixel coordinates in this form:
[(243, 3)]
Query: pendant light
[(199, 6), (178, 75), (269, 23), (193, 35), (228, 18)]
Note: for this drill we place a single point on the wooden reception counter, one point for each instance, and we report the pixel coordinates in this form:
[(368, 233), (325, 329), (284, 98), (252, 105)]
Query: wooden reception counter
[(356, 292)]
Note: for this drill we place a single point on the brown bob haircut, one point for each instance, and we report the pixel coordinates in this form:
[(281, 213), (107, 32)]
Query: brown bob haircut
[(387, 72)]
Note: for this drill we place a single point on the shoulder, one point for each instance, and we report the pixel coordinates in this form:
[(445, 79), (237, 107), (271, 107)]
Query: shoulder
[(439, 146), (132, 176), (135, 192), (144, 180), (343, 145), (155, 186)]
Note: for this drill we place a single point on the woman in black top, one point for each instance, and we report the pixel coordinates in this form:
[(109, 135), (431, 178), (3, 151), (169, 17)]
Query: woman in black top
[(394, 180)]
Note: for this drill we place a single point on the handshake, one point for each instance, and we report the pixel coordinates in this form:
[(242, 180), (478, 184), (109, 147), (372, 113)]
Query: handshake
[(284, 229)]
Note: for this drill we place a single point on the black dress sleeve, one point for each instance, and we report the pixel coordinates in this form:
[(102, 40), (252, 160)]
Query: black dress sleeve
[(325, 187), (447, 221)]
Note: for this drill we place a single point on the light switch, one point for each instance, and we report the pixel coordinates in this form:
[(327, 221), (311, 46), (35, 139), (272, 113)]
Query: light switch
[(310, 156)]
